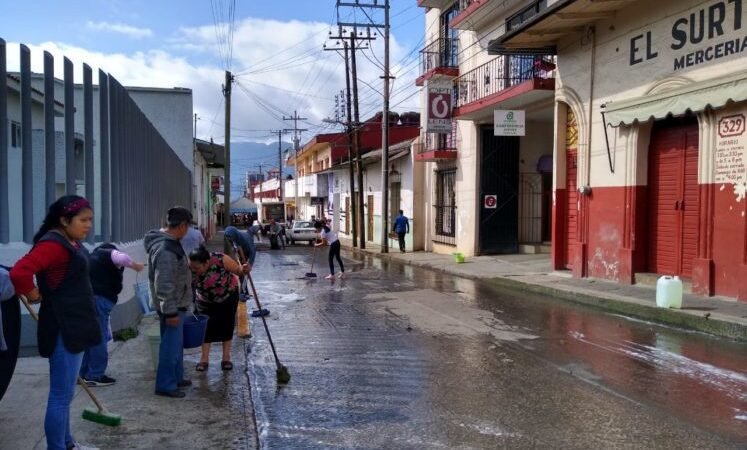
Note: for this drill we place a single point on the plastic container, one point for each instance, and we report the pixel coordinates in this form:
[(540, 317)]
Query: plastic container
[(154, 342), (458, 258), (194, 330), (669, 292), (142, 292)]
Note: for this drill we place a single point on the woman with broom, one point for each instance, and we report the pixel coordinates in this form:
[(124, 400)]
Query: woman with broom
[(67, 318), (217, 286)]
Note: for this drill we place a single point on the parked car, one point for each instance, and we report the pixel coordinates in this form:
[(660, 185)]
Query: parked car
[(302, 231)]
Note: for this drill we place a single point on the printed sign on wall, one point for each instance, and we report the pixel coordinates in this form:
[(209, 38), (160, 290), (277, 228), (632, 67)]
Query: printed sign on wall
[(508, 122), (439, 106), (731, 149)]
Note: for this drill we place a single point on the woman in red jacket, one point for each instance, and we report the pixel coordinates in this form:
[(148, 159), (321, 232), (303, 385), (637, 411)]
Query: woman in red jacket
[(67, 316)]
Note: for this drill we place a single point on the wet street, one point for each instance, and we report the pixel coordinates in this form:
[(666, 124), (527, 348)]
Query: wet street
[(394, 356)]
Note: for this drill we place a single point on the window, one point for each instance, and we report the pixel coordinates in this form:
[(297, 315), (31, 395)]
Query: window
[(15, 134), (445, 207)]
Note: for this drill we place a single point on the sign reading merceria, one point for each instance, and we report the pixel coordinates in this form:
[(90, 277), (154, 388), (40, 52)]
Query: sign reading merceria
[(702, 26)]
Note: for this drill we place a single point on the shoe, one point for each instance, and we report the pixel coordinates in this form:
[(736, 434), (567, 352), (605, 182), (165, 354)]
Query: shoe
[(329, 277), (183, 384), (103, 381), (201, 366), (172, 394), (341, 275), (78, 446), (226, 365)]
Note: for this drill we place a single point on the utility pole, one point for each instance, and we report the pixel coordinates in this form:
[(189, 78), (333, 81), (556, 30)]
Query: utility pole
[(227, 148), (385, 139), (296, 139), (385, 119), (280, 168), (357, 143)]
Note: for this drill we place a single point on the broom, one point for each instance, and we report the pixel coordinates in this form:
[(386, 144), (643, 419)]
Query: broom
[(281, 371), (101, 415), (313, 258)]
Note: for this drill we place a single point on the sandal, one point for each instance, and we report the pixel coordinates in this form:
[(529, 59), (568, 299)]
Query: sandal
[(226, 365), (201, 367)]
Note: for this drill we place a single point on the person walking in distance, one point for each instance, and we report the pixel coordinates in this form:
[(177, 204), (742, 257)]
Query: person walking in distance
[(171, 291), (106, 267), (401, 227), (67, 316), (329, 237)]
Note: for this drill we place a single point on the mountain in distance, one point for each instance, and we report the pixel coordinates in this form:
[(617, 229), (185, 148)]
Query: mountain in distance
[(247, 157)]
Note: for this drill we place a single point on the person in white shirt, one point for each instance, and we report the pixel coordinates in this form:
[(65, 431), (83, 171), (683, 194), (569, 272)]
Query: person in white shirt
[(329, 237)]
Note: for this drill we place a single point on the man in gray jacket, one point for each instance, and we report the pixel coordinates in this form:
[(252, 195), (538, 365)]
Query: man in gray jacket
[(171, 293)]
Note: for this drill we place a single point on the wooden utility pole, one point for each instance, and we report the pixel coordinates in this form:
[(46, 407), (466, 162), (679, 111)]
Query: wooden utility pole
[(227, 148), (357, 143), (296, 141), (349, 128)]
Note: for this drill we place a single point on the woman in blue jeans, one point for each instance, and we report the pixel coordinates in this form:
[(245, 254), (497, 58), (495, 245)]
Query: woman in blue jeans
[(67, 316)]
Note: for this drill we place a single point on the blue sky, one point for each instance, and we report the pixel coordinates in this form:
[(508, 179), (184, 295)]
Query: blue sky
[(277, 53)]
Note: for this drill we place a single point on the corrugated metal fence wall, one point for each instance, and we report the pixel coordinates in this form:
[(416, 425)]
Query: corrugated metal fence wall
[(140, 174)]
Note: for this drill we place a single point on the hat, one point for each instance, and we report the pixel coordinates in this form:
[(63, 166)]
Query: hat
[(178, 215)]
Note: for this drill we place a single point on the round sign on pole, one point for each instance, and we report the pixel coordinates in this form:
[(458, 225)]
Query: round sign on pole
[(491, 201)]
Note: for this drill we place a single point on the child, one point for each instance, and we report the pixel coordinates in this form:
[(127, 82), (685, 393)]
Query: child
[(106, 267)]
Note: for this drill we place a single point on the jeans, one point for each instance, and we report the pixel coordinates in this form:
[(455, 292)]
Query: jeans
[(334, 252), (96, 358), (401, 237), (170, 355), (63, 374)]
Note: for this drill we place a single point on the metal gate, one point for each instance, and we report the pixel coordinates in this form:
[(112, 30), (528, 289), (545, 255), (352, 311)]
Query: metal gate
[(499, 226)]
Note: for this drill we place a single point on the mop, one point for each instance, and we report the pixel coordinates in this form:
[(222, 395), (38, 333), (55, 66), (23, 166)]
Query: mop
[(101, 415)]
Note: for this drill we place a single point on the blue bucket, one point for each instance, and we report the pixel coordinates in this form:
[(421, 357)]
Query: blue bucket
[(194, 330)]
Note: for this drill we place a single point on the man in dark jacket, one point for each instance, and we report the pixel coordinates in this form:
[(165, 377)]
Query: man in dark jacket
[(171, 291), (106, 265)]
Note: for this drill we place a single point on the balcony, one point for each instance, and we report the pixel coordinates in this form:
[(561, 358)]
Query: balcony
[(475, 14), (509, 80), (437, 146), (439, 58), (440, 4)]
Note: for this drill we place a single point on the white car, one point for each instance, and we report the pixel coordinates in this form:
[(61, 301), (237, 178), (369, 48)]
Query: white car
[(302, 231)]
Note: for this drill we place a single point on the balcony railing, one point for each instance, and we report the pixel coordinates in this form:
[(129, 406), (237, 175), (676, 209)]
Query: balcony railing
[(501, 73), (442, 52), (437, 146)]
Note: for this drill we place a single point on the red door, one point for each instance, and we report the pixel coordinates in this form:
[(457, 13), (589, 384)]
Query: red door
[(571, 208), (673, 195)]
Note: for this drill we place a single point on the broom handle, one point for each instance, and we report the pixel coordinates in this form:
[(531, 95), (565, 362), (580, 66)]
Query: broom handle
[(264, 322), (313, 258), (82, 383)]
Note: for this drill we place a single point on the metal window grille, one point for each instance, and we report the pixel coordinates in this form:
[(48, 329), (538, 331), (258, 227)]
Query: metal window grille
[(445, 207)]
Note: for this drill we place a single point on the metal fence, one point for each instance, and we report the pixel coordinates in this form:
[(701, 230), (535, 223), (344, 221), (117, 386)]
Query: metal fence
[(139, 174), (442, 52), (499, 74)]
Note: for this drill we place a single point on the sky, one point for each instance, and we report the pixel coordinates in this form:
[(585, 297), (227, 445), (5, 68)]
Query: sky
[(276, 54)]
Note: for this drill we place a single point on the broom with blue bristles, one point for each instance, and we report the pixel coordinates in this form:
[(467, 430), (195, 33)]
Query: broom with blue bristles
[(100, 415)]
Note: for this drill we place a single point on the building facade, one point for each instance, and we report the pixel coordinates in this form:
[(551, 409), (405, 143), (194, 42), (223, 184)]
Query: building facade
[(650, 156)]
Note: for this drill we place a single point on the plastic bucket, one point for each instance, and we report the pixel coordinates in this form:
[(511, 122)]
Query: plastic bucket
[(194, 330), (153, 335), (458, 258), (142, 292)]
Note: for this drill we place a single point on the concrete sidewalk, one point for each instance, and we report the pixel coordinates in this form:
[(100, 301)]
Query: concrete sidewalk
[(720, 316), (216, 413)]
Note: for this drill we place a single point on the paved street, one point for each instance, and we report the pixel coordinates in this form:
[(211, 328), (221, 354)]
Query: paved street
[(400, 357)]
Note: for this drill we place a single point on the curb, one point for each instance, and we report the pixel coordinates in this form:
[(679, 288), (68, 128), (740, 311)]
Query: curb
[(714, 326), (677, 318)]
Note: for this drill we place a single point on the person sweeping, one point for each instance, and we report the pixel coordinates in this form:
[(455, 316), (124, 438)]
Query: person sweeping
[(215, 279), (67, 317), (329, 237)]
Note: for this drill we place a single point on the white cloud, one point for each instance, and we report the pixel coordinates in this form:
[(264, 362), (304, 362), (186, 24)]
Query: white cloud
[(280, 63), (127, 30)]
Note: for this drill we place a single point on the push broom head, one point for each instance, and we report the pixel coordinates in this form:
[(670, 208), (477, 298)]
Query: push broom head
[(102, 417), (283, 375), (310, 275)]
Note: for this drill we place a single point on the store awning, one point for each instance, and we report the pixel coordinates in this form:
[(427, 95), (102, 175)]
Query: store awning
[(693, 97)]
